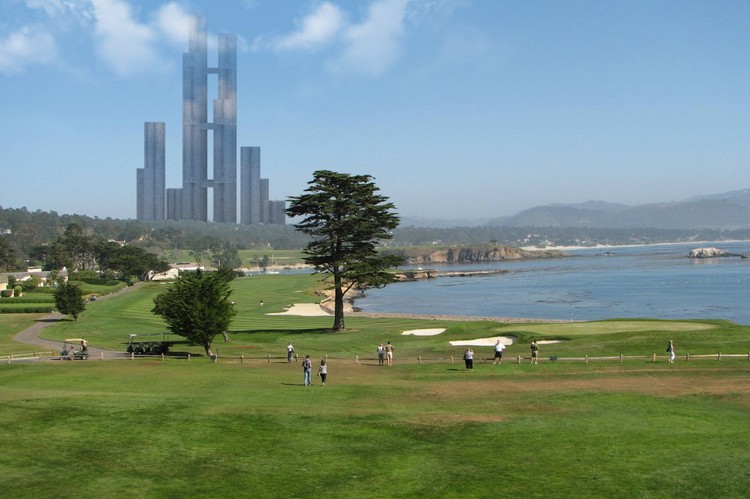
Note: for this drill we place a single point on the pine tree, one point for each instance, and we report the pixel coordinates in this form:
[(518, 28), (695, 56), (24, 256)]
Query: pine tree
[(347, 219)]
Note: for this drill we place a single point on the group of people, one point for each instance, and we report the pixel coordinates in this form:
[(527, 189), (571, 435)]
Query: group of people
[(385, 354), (385, 357), (307, 370), (498, 349), (307, 366)]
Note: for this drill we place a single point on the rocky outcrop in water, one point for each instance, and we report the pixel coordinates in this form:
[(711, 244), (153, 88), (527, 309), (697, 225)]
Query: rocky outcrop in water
[(711, 253), (471, 254)]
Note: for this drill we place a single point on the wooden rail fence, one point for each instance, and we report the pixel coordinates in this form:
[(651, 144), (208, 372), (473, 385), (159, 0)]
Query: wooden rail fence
[(52, 355)]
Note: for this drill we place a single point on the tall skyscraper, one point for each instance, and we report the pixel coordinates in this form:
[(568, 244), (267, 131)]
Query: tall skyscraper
[(250, 185), (151, 178), (191, 201), (195, 128)]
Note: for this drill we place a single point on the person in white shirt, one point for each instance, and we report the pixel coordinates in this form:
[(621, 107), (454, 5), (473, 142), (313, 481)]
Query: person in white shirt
[(289, 352), (469, 359), (499, 347)]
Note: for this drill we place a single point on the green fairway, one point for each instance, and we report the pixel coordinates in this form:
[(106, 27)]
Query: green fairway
[(190, 429), (247, 427)]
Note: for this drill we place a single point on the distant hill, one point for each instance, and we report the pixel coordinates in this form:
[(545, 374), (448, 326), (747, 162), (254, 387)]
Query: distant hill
[(726, 211)]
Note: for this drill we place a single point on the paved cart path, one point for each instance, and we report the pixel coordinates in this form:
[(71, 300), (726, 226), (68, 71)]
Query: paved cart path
[(31, 335)]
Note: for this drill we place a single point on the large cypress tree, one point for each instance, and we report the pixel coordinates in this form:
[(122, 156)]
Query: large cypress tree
[(346, 218)]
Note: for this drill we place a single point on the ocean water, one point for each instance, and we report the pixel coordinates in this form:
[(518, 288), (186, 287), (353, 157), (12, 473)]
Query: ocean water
[(656, 281)]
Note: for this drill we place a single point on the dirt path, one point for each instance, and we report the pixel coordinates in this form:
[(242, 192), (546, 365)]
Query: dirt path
[(31, 335)]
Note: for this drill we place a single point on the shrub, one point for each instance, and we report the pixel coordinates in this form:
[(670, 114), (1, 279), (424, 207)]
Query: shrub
[(6, 293)]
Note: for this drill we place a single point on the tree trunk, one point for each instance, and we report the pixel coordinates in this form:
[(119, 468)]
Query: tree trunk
[(207, 347), (338, 304)]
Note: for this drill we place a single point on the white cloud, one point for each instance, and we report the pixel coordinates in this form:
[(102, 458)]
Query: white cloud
[(174, 23), (374, 44), (124, 44), (26, 46), (317, 29)]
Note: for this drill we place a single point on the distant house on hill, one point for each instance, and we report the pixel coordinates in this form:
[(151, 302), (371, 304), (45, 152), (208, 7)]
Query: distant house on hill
[(174, 271)]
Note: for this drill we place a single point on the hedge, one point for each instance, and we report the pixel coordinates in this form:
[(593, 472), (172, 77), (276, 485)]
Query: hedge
[(21, 308), (30, 298)]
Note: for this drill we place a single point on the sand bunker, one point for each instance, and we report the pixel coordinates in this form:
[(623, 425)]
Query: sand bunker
[(304, 309), (483, 342), (423, 332)]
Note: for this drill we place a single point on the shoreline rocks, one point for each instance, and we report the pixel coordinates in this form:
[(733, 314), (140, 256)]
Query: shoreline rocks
[(712, 253), (471, 254)]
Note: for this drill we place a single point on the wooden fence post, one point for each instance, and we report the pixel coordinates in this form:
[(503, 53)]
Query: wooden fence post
[(719, 359), (519, 359), (748, 356), (620, 358), (654, 358), (132, 356), (242, 358), (162, 357), (189, 356), (420, 360), (586, 359), (269, 358), (356, 359), (687, 357)]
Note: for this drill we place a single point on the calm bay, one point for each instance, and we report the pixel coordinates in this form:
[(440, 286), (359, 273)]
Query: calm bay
[(657, 281)]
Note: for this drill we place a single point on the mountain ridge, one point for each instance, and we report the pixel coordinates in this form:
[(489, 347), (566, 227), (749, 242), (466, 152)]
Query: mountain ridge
[(722, 211)]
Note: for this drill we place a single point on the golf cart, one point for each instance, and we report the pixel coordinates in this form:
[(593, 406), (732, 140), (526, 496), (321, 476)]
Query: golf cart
[(69, 351), (149, 343)]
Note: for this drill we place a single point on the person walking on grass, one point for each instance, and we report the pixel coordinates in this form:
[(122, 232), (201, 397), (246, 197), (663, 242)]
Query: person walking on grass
[(323, 371), (389, 353), (499, 347), (289, 352), (381, 354), (469, 359), (670, 351), (534, 352), (307, 370)]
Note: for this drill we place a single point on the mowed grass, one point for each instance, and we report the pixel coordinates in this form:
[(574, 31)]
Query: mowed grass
[(197, 429), (180, 428)]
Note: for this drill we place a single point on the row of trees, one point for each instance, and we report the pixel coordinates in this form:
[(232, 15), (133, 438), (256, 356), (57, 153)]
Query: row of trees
[(78, 251), (31, 232)]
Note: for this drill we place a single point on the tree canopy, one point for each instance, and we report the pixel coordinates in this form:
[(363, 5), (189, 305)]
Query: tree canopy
[(69, 300), (347, 219), (197, 307)]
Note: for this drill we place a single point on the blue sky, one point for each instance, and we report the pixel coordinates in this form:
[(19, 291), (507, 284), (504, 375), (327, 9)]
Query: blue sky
[(458, 108)]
